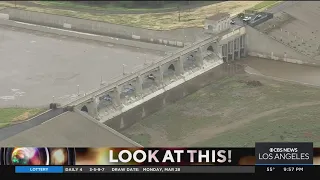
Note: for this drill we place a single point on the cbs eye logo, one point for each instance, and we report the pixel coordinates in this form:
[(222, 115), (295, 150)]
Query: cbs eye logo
[(37, 156)]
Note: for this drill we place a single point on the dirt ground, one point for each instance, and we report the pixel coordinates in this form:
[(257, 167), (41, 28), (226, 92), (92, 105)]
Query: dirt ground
[(233, 113)]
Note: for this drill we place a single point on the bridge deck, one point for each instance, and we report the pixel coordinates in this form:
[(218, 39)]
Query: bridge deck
[(67, 130)]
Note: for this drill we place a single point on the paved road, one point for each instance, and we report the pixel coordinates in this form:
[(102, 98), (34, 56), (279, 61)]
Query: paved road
[(275, 9), (9, 131), (279, 7), (57, 132)]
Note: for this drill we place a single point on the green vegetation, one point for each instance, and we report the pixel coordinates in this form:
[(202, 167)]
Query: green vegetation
[(14, 115), (233, 113), (264, 5), (294, 125), (155, 21)]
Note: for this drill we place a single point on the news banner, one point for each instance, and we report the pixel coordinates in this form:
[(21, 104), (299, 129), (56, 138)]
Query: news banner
[(264, 158)]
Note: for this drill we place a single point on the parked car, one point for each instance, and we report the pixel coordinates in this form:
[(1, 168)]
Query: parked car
[(246, 18)]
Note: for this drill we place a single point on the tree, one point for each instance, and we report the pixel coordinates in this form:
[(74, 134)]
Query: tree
[(240, 15)]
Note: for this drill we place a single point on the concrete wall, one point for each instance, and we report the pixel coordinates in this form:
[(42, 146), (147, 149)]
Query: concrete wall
[(217, 26), (289, 60), (105, 39), (4, 16), (137, 113), (173, 38), (260, 43)]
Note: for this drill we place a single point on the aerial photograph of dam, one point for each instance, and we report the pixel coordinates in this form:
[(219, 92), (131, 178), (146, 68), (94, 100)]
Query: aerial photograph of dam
[(159, 73)]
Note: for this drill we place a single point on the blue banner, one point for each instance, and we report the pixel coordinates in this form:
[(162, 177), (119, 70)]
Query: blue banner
[(39, 169)]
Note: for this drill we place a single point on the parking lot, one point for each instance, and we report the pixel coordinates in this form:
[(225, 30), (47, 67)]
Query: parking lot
[(251, 19)]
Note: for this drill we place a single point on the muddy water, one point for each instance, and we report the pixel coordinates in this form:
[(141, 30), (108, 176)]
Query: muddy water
[(288, 71), (38, 68)]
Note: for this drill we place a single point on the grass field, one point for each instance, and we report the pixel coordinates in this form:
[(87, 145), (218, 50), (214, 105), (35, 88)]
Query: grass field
[(264, 5), (155, 21), (14, 115), (72, 5), (232, 113)]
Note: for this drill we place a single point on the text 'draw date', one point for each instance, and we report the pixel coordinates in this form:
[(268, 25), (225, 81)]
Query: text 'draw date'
[(159, 169)]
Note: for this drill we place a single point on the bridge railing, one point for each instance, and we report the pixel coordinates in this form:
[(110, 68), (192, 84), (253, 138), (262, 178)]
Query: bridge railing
[(130, 76), (240, 31)]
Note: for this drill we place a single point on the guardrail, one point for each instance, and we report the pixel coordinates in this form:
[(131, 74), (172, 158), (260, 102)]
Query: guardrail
[(133, 75), (239, 31)]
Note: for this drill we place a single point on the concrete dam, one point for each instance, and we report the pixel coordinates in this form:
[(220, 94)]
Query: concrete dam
[(135, 95), (142, 93)]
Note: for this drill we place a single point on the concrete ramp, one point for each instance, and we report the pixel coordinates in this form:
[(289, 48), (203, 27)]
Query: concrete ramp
[(307, 11), (265, 46), (296, 27), (297, 34), (177, 39), (87, 36)]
